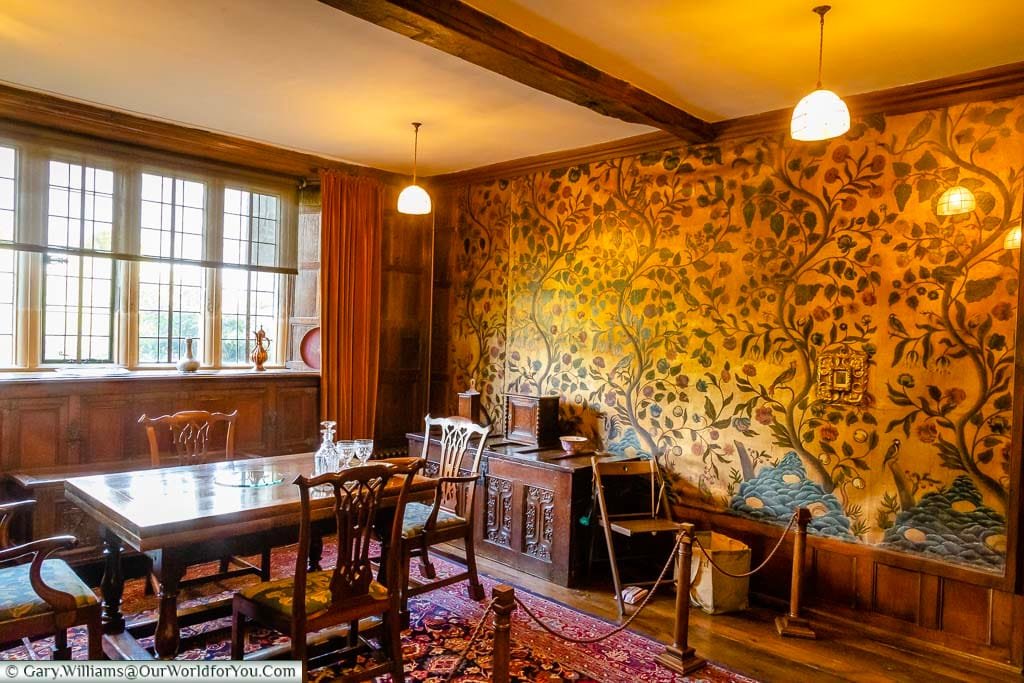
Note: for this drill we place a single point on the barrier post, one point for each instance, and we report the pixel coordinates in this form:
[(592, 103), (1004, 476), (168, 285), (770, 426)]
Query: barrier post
[(793, 625), (501, 653), (679, 656)]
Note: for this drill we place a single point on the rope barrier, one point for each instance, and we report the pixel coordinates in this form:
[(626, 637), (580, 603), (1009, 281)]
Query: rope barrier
[(643, 604), (472, 641), (759, 567), (617, 629)]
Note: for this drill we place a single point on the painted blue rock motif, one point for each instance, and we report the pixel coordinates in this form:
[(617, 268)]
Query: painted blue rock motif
[(777, 491), (952, 524)]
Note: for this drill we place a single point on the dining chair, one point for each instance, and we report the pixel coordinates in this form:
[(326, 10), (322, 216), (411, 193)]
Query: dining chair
[(314, 600), (44, 596), (450, 516), (649, 515), (191, 433)]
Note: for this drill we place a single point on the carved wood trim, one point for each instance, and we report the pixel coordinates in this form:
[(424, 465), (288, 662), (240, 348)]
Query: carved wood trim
[(538, 522), (498, 504)]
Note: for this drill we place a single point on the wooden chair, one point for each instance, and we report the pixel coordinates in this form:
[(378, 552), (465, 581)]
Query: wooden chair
[(45, 596), (311, 601), (450, 516), (652, 519), (190, 432)]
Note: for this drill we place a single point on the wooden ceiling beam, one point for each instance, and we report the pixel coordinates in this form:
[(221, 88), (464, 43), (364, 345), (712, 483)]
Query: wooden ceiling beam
[(456, 28)]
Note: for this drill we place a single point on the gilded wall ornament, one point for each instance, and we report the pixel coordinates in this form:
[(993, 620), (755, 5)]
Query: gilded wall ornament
[(842, 375)]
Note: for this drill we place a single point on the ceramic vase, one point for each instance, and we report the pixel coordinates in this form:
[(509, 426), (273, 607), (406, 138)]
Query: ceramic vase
[(189, 362)]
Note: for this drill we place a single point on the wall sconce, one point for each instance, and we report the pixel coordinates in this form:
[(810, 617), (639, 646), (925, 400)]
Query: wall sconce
[(1012, 240), (955, 201)]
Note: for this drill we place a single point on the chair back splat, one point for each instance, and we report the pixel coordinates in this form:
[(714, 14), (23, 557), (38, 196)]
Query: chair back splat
[(456, 435), (354, 496), (312, 601), (190, 433)]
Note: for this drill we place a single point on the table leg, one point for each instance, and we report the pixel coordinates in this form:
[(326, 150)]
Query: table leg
[(382, 527), (167, 637), (112, 584), (316, 549)]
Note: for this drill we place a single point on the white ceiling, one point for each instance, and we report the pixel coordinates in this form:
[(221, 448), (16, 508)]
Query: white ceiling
[(293, 73), (302, 75), (728, 58)]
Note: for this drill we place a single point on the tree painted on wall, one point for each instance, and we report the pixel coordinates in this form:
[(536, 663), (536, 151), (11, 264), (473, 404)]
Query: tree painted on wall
[(685, 297), (948, 263), (480, 271)]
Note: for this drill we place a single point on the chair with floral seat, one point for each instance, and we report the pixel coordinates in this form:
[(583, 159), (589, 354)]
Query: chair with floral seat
[(450, 516), (315, 600), (45, 596)]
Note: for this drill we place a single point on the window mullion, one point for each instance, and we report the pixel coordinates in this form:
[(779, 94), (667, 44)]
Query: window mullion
[(248, 273), (212, 244), (127, 228), (32, 196), (170, 270), (81, 263)]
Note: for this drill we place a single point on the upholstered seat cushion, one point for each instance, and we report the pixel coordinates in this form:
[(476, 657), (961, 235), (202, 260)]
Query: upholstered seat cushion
[(416, 515), (18, 600), (277, 595)]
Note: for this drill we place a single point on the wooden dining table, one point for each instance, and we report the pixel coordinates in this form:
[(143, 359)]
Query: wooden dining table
[(183, 516)]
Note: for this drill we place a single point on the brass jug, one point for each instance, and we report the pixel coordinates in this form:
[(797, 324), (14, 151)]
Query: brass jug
[(259, 351)]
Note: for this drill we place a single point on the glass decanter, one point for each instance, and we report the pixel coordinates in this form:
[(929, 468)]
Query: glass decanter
[(325, 460)]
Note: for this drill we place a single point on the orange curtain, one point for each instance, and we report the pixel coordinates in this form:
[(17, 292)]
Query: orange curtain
[(352, 218)]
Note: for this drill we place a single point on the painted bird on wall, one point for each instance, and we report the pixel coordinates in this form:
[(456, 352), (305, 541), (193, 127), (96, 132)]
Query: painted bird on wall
[(784, 377), (895, 324), (899, 477)]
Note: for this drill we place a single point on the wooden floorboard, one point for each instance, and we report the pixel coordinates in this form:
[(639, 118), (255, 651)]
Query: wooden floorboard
[(747, 642)]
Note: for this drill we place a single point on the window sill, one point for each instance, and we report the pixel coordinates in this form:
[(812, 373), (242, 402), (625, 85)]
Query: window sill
[(170, 374)]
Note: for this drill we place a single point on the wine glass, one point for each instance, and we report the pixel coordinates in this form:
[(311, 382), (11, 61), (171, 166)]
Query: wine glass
[(345, 451), (364, 449)]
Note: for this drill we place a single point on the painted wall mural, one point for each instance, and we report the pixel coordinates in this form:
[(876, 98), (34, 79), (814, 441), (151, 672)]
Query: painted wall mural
[(478, 265), (682, 302)]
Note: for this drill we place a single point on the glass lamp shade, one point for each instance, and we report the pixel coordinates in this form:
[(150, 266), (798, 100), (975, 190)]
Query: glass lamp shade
[(415, 200), (819, 116), (955, 201), (1012, 240)]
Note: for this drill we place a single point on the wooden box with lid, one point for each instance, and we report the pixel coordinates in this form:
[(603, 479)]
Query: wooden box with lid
[(531, 420)]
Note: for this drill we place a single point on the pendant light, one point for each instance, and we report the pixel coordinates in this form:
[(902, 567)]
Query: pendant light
[(822, 114), (414, 199), (955, 201)]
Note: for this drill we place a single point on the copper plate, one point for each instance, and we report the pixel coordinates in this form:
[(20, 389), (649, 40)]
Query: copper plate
[(309, 348)]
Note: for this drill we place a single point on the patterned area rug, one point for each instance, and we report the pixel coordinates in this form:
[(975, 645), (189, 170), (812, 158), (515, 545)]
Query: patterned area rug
[(440, 626)]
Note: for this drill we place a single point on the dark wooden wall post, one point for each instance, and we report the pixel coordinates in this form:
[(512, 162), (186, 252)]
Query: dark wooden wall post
[(501, 654), (793, 625), (679, 656)]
